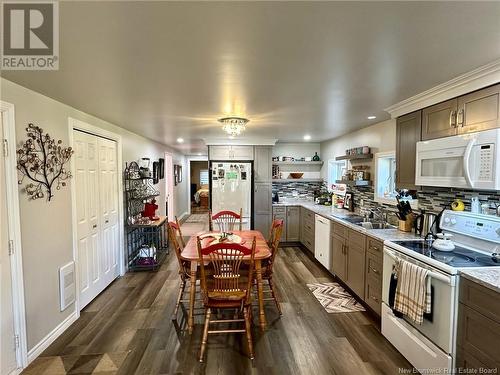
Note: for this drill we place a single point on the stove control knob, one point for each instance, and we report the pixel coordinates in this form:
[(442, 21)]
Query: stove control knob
[(453, 221), (447, 220)]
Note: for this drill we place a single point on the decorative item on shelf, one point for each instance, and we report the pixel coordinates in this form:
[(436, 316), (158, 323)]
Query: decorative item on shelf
[(296, 175), (161, 168), (156, 174), (150, 210), (275, 158), (349, 201), (42, 160), (457, 205), (364, 150), (132, 171), (287, 158), (315, 157), (144, 168)]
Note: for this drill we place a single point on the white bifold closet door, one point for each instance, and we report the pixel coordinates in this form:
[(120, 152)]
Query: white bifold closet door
[(96, 186)]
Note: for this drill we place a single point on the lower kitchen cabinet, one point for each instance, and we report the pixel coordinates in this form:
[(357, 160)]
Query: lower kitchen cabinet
[(373, 274), (307, 228), (279, 213), (338, 245), (293, 224), (478, 343), (356, 262)]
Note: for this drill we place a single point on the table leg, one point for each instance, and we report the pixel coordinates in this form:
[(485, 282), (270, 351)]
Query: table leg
[(260, 292), (192, 294)]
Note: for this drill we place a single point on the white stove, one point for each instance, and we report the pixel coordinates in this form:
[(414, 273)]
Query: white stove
[(431, 346)]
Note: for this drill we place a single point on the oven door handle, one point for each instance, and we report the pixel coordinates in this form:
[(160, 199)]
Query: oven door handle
[(435, 275)]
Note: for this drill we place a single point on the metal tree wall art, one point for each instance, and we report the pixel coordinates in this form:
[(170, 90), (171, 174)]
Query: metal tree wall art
[(42, 159)]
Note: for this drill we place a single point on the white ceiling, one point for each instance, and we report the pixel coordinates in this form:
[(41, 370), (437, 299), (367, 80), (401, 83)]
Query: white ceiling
[(168, 70)]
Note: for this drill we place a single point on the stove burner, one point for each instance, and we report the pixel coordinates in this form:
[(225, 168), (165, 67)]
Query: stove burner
[(450, 257), (460, 257)]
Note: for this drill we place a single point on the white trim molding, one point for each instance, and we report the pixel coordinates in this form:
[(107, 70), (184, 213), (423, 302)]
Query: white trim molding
[(74, 124), (52, 336), (247, 141), (476, 79), (7, 111), (189, 159)]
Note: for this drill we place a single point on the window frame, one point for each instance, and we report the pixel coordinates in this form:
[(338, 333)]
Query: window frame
[(376, 197), (339, 164), (208, 177)]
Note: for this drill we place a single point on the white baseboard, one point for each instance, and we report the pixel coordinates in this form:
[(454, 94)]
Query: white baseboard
[(51, 337)]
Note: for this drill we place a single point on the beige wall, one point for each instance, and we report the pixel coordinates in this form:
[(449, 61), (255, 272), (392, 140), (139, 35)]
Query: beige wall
[(380, 137), (46, 227)]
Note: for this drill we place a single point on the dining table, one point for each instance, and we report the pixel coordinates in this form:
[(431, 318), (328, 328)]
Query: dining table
[(262, 251)]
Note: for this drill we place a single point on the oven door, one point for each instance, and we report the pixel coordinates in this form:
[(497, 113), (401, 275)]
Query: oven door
[(432, 342)]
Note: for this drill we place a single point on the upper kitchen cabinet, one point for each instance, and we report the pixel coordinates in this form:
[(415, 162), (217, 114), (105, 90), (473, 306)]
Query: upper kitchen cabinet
[(479, 110), (263, 164), (439, 120), (408, 133), (231, 153)]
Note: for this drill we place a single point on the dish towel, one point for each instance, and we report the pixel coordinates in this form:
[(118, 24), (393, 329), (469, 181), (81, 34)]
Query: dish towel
[(413, 292)]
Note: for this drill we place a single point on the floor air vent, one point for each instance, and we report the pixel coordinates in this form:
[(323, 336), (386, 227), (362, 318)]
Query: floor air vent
[(67, 285)]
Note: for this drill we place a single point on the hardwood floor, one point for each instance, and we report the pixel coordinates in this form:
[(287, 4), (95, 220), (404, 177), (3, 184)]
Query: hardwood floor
[(128, 330)]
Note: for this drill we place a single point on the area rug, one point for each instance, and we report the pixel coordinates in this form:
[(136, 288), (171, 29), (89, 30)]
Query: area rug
[(334, 298), (197, 218)]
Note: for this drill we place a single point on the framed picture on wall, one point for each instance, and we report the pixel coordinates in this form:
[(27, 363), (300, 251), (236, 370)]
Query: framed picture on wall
[(161, 168), (179, 173), (176, 174)]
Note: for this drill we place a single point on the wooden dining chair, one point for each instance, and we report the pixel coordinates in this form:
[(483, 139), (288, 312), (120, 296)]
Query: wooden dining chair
[(175, 238), (224, 286), (225, 221), (267, 264)]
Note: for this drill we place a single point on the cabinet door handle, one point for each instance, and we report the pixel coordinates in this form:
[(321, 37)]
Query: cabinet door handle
[(107, 221), (94, 226), (374, 298), (460, 117), (374, 270), (452, 119), (374, 248)]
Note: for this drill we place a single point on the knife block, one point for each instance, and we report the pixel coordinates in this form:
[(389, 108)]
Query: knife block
[(406, 225)]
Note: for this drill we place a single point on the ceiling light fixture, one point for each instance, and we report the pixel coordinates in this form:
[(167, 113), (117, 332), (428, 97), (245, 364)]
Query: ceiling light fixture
[(233, 125), (307, 137), (180, 140), (371, 117)]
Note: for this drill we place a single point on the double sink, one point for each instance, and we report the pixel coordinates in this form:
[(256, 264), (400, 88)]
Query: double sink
[(368, 224)]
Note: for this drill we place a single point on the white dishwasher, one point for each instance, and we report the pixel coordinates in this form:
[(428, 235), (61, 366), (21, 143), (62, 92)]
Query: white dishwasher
[(322, 241)]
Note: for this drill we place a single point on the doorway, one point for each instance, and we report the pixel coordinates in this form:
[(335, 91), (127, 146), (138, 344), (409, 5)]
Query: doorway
[(169, 186), (199, 190), (13, 352)]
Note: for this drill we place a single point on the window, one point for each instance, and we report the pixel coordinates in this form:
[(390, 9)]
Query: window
[(336, 169), (385, 177), (204, 177)]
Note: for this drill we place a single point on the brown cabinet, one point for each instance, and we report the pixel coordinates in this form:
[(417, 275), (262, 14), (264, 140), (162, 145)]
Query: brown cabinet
[(356, 262), (479, 110), (292, 224), (478, 343), (339, 256), (373, 281), (439, 120), (408, 133), (307, 228), (348, 257)]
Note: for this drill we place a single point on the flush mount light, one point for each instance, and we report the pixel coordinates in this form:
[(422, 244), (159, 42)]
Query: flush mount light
[(233, 125), (180, 140), (307, 137), (371, 117)]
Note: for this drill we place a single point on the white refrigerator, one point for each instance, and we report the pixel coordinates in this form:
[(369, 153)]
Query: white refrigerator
[(231, 188)]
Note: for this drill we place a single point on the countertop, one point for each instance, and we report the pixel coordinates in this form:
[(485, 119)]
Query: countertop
[(339, 215), (490, 278)]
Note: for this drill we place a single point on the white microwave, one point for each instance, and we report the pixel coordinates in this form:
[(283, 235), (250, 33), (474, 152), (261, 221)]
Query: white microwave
[(464, 161)]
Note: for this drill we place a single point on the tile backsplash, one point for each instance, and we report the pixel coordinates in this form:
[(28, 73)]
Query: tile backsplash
[(429, 198)]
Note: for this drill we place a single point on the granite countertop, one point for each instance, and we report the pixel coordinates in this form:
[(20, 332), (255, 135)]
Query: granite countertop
[(339, 215), (490, 277)]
